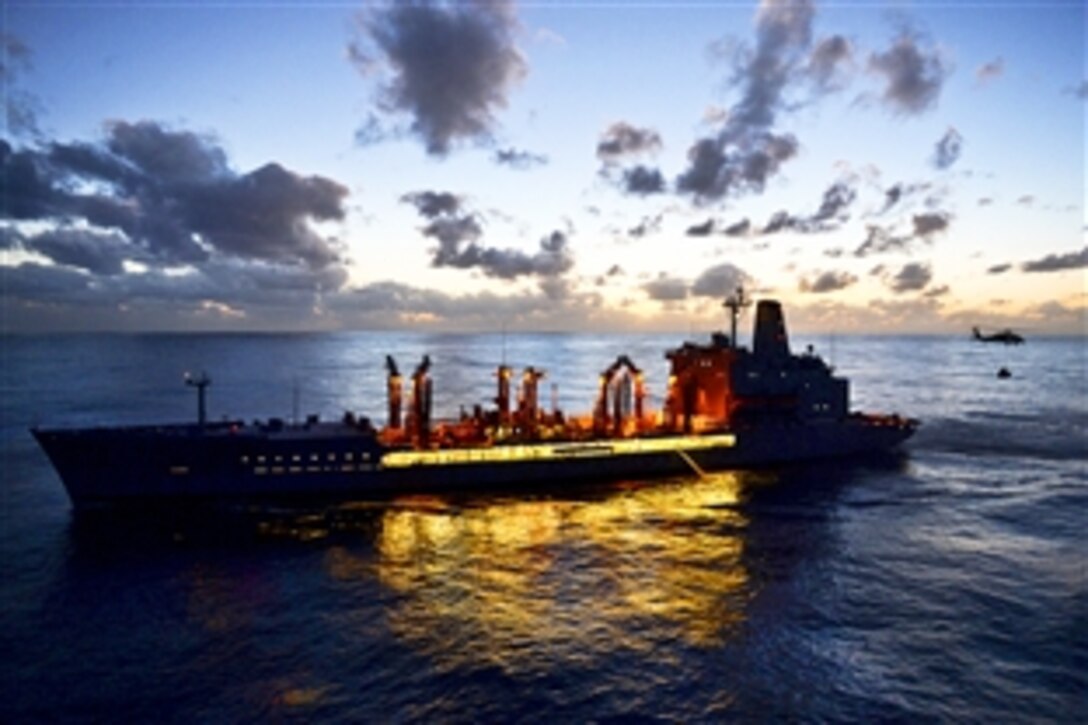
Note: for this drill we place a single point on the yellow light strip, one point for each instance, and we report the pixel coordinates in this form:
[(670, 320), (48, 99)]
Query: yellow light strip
[(555, 451)]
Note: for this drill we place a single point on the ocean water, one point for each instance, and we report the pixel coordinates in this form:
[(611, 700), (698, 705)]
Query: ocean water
[(950, 584)]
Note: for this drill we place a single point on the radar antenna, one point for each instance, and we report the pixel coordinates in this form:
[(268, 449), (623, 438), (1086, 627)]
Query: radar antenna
[(735, 304)]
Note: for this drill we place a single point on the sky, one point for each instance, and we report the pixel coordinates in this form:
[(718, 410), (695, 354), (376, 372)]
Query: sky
[(879, 167)]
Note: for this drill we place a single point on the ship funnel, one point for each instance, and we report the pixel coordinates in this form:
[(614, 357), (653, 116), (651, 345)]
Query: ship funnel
[(770, 339)]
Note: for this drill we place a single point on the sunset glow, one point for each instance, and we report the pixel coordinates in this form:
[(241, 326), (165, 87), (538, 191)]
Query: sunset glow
[(534, 166)]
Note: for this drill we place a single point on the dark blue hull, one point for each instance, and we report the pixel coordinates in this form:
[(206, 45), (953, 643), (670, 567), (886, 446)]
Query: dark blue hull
[(228, 462)]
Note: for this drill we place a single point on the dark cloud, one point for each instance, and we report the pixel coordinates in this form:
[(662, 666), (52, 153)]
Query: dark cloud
[(999, 268), (985, 201), (719, 167), (926, 225), (614, 271), (738, 229), (827, 60), (948, 149), (622, 140), (720, 281), (643, 181), (701, 230), (826, 282), (1058, 262), (517, 159), (457, 231), (990, 70), (551, 260), (911, 277), (21, 109), (431, 204), (836, 199), (879, 240), (99, 253), (173, 199), (898, 192), (449, 66), (666, 289), (747, 152), (780, 221), (882, 240), (1026, 200), (913, 75)]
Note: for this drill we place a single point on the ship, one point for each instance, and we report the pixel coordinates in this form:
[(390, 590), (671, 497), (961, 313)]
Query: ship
[(726, 406)]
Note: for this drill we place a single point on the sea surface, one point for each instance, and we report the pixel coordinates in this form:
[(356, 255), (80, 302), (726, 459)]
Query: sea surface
[(949, 584)]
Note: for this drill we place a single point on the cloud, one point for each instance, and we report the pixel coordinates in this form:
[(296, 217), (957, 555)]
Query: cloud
[(642, 181), (457, 231), (647, 226), (1058, 262), (881, 240), (431, 204), (926, 225), (701, 230), (169, 197), (911, 277), (913, 75), (779, 221), (990, 70), (836, 199), (899, 192), (621, 140), (738, 229), (716, 282), (666, 289), (714, 172), (21, 109), (520, 160), (826, 282), (999, 268), (449, 66), (948, 149), (1026, 200), (720, 281), (747, 152), (99, 253), (827, 60)]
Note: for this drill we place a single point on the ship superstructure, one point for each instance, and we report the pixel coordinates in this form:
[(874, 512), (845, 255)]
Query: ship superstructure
[(724, 406)]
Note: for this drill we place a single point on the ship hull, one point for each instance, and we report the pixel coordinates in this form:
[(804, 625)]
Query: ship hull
[(109, 466)]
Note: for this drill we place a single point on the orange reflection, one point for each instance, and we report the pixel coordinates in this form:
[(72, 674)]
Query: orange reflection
[(516, 584)]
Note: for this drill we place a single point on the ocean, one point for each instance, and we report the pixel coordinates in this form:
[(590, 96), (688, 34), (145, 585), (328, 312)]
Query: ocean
[(950, 584)]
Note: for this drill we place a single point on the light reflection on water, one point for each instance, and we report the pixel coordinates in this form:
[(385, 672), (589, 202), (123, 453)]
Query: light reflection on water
[(518, 582)]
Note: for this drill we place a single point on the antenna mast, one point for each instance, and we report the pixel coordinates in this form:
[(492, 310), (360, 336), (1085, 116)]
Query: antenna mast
[(735, 304), (201, 384)]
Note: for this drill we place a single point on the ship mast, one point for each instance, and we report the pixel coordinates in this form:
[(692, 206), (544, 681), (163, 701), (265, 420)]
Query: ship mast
[(201, 384), (735, 304)]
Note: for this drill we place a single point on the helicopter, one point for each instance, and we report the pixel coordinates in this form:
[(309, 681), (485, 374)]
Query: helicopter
[(1006, 336)]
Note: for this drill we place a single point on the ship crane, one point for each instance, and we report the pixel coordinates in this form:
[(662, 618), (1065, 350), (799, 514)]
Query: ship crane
[(394, 390), (421, 402), (619, 377)]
